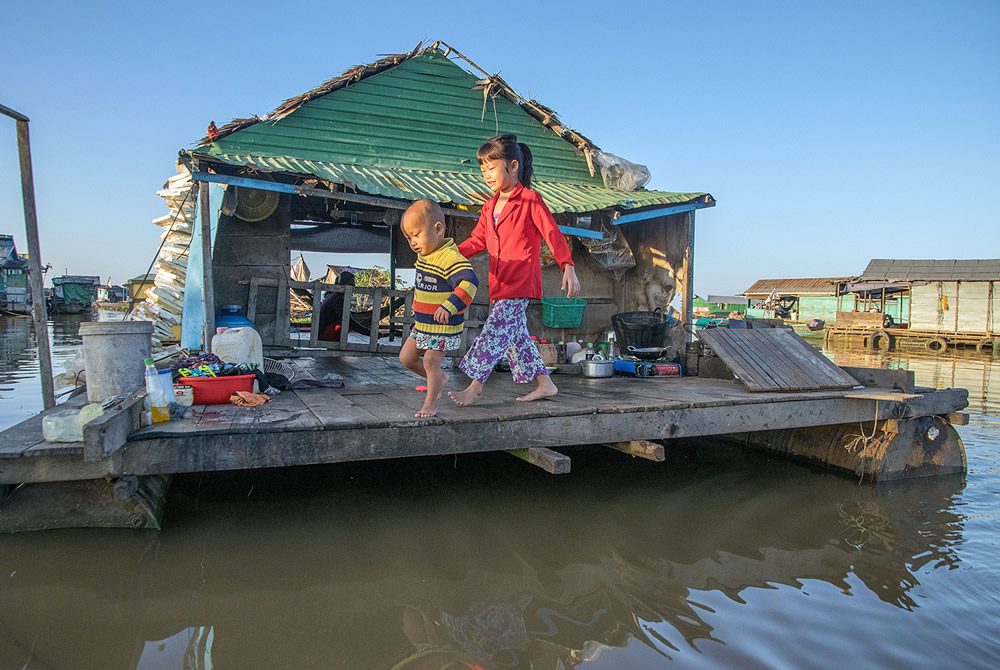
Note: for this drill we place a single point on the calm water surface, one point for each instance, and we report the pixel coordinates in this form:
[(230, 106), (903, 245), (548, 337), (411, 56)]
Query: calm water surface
[(713, 559)]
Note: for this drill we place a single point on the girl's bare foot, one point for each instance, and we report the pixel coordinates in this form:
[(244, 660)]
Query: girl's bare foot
[(429, 409), (469, 396), (546, 389)]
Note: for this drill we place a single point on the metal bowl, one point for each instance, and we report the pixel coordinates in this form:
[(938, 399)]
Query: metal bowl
[(598, 368)]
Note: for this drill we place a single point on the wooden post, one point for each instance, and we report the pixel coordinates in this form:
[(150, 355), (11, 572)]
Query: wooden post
[(551, 461), (206, 261), (36, 279), (688, 305), (651, 451), (392, 275)]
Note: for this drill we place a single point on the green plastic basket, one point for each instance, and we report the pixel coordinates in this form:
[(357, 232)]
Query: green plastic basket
[(562, 312)]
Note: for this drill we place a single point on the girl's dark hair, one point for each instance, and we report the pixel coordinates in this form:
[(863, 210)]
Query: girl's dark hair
[(507, 148)]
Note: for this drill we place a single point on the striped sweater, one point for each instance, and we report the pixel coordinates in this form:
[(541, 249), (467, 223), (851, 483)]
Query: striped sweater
[(444, 279)]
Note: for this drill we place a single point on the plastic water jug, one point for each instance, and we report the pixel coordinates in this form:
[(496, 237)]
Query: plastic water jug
[(239, 345), (231, 316)]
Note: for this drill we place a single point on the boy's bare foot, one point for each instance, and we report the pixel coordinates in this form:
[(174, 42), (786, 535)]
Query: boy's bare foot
[(469, 396), (429, 409), (546, 389)]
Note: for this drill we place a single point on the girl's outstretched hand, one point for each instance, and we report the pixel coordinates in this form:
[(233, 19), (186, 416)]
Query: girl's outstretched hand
[(570, 284)]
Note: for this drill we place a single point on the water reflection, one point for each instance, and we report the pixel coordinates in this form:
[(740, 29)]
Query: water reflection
[(418, 564), (711, 559), (20, 388)]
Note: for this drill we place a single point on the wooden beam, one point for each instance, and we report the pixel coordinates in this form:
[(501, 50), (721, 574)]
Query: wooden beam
[(206, 260), (661, 211), (957, 418), (314, 322), (107, 433), (582, 232), (36, 278), (311, 191), (256, 449), (651, 451), (552, 462), (688, 302)]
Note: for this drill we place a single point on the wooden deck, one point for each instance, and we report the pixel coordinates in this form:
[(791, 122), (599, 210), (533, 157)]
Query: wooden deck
[(372, 417)]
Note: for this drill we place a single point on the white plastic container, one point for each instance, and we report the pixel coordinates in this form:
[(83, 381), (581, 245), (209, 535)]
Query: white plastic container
[(114, 353), (239, 345), (67, 425)]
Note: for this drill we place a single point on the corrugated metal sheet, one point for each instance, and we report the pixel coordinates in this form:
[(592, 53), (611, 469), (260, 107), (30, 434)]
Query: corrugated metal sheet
[(422, 113), (887, 269), (807, 286), (412, 131), (456, 187)]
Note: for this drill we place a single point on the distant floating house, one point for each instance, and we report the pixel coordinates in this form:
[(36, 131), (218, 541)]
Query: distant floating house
[(14, 294), (939, 302), (800, 299), (138, 287), (73, 294)]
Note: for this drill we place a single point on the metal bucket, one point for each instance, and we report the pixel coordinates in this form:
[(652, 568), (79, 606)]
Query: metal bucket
[(113, 354)]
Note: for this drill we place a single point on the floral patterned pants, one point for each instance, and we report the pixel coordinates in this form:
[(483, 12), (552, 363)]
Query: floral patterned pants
[(505, 332)]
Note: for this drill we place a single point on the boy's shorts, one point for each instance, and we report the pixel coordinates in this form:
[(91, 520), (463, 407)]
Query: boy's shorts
[(436, 342)]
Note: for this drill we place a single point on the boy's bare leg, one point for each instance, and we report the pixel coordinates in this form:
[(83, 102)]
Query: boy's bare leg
[(409, 356), (546, 389), (470, 396), (436, 379)]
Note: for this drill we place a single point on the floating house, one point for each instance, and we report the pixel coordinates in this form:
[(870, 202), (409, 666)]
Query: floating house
[(800, 299), (934, 303), (15, 297), (73, 294), (332, 170)]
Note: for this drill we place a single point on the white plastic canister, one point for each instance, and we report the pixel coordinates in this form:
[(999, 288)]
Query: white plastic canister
[(239, 345), (113, 354)]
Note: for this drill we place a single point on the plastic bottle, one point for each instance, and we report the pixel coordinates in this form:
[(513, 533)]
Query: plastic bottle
[(157, 397), (590, 351), (602, 352), (560, 353)]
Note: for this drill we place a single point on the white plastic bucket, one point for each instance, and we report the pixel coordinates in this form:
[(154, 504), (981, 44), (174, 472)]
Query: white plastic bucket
[(113, 355)]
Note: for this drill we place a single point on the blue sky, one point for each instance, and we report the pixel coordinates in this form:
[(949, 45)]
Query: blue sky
[(829, 134)]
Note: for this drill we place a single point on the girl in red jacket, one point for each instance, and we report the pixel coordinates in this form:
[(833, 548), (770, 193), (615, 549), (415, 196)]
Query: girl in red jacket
[(511, 227)]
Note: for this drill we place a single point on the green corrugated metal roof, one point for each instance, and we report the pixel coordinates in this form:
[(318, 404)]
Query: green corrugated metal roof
[(411, 131), (422, 113), (456, 187)]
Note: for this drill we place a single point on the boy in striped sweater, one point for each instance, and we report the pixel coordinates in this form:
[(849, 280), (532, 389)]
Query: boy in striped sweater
[(445, 287)]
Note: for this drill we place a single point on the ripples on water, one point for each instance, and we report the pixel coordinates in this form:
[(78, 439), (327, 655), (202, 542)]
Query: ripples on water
[(714, 558)]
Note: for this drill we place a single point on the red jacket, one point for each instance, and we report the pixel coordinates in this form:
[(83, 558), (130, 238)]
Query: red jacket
[(515, 244)]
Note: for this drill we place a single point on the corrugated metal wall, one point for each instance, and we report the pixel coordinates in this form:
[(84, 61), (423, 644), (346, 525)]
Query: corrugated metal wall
[(954, 306)]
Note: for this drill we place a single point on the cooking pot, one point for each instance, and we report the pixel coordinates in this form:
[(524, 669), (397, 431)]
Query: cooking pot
[(598, 368), (649, 353)]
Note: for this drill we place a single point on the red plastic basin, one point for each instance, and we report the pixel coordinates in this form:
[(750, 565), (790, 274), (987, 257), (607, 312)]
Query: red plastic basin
[(216, 390)]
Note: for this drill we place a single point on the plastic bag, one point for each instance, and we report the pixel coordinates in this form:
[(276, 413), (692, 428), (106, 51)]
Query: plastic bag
[(610, 254), (621, 174)]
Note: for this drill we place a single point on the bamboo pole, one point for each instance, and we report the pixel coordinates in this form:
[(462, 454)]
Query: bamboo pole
[(36, 279)]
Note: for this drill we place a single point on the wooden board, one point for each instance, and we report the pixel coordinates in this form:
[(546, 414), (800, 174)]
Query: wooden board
[(775, 359)]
